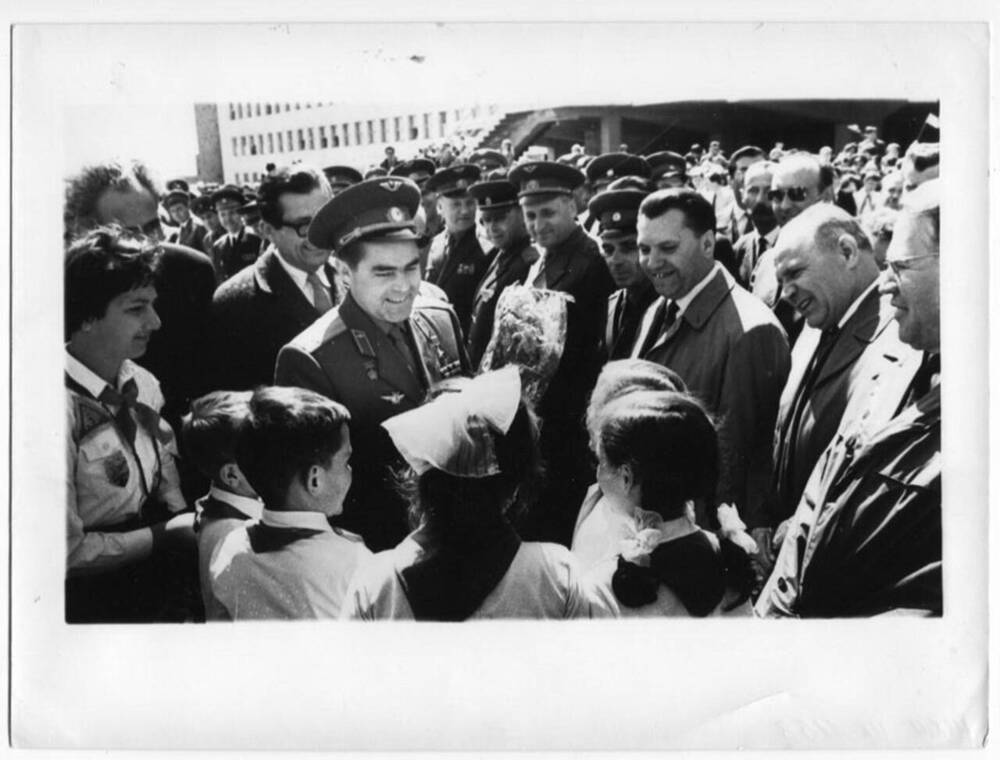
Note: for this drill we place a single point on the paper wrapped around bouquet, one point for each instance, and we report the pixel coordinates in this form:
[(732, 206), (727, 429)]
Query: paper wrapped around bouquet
[(529, 330)]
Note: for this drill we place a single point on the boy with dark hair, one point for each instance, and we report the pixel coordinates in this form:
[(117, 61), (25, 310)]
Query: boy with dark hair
[(293, 449), (209, 432)]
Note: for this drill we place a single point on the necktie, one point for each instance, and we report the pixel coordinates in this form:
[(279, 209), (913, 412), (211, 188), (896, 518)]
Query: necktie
[(123, 402), (921, 384), (398, 338), (537, 277), (663, 320), (321, 296)]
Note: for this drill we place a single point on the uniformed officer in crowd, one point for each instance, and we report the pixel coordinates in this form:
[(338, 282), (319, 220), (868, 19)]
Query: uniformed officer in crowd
[(419, 170), (204, 209), (488, 160), (341, 177), (617, 209), (667, 169), (456, 261), (239, 247), (381, 349), (570, 263), (190, 230), (601, 172), (500, 217)]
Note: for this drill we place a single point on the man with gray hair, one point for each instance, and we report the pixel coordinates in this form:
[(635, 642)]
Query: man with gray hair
[(866, 537), (827, 271)]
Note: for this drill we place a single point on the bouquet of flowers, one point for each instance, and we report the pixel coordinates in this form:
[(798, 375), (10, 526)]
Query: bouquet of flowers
[(529, 330)]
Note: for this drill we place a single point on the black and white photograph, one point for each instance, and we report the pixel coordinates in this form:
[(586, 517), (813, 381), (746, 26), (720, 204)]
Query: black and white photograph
[(577, 383)]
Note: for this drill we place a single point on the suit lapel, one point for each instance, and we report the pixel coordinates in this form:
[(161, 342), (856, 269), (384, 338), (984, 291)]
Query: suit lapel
[(701, 308), (645, 326), (859, 331)]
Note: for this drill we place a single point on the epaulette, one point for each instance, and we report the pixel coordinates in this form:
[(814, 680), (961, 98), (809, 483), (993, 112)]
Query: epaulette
[(327, 327), (423, 302)]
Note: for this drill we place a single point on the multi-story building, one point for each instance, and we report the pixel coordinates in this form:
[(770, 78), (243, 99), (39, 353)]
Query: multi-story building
[(254, 134)]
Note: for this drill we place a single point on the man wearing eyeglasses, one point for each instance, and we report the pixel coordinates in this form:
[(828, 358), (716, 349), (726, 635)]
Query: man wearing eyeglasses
[(264, 306), (866, 537)]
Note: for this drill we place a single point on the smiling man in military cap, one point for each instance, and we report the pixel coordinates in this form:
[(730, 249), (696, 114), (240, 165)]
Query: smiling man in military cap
[(500, 217), (617, 209), (381, 349), (420, 170), (570, 263), (456, 261)]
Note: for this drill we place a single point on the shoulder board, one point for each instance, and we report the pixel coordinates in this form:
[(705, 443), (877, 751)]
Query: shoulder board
[(324, 329), (424, 303)]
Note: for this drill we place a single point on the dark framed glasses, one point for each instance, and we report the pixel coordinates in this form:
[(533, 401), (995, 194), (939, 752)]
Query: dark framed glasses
[(301, 226), (795, 194)]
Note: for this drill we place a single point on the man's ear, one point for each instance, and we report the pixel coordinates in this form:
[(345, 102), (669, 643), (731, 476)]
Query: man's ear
[(848, 248), (267, 230), (314, 479), (708, 243)]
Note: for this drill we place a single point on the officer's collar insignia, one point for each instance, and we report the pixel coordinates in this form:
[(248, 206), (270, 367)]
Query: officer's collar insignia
[(392, 185), (362, 343), (396, 214), (393, 398)]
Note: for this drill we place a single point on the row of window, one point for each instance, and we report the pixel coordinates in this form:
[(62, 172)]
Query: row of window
[(368, 132), (246, 110)]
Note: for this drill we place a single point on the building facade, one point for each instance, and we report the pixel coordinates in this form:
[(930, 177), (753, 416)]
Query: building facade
[(254, 134)]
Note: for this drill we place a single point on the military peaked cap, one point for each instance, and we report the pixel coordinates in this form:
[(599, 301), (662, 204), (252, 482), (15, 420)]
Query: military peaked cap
[(545, 177), (372, 208)]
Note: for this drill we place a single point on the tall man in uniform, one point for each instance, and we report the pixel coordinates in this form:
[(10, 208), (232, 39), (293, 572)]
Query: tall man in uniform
[(725, 344), (570, 263), (380, 350), (262, 307), (828, 273), (866, 537), (456, 261), (500, 217), (239, 247), (617, 210)]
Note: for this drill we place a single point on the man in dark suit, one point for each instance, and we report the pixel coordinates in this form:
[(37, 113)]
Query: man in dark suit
[(866, 537), (616, 209), (262, 307), (570, 263), (828, 273), (239, 247), (191, 231), (725, 344), (456, 261), (510, 259), (381, 350)]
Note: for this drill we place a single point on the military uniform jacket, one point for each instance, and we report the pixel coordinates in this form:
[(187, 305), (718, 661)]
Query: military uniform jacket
[(456, 263), (233, 253), (576, 267), (192, 234), (505, 268), (344, 355), (622, 328), (866, 538), (731, 352), (254, 314), (801, 434)]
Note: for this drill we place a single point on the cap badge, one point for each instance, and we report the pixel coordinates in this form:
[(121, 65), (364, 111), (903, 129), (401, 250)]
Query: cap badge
[(462, 184), (487, 201), (396, 214), (529, 169), (531, 185), (610, 173), (616, 217), (392, 185)]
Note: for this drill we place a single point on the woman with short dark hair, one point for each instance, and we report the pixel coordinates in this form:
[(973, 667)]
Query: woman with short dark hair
[(123, 491)]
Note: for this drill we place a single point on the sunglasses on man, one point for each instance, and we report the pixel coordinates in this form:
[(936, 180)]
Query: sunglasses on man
[(795, 195)]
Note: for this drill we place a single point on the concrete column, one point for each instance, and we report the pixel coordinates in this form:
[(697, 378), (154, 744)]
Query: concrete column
[(611, 133)]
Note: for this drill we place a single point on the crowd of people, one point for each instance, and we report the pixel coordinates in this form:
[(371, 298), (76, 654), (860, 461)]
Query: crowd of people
[(336, 394)]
